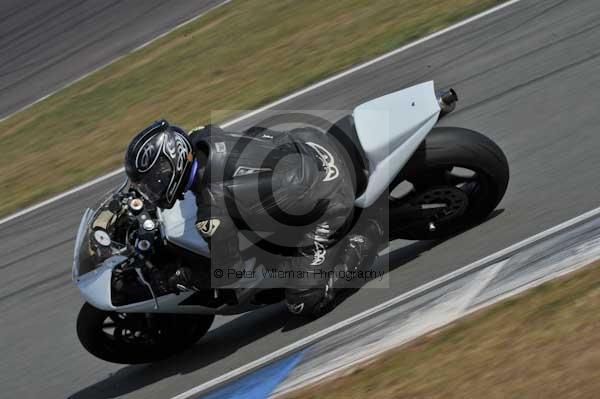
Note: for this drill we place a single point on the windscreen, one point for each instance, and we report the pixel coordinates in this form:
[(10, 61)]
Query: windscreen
[(100, 235)]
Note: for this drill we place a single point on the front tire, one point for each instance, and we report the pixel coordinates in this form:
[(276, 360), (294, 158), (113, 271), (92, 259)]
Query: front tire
[(132, 338), (464, 200)]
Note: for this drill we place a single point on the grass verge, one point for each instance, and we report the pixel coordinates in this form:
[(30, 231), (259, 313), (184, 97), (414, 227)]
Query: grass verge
[(541, 344), (238, 56)]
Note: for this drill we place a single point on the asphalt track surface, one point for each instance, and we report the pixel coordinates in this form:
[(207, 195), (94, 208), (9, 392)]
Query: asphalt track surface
[(44, 44), (528, 76)]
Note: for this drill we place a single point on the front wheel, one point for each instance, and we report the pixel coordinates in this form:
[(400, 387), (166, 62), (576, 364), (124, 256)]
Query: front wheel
[(133, 338), (457, 178)]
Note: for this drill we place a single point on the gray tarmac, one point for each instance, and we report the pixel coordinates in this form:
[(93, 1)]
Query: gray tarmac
[(46, 44)]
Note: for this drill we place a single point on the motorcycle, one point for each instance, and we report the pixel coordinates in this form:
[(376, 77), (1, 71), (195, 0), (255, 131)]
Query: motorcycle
[(126, 249)]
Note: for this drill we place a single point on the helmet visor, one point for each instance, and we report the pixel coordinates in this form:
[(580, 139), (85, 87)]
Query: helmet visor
[(154, 184)]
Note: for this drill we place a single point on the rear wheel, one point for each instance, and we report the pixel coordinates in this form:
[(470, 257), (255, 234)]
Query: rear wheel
[(132, 338), (455, 179)]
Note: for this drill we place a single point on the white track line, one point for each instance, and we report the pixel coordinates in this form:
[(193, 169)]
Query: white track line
[(261, 109), (385, 305), (378, 351)]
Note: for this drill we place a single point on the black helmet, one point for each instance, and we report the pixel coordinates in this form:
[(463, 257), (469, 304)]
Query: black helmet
[(158, 163)]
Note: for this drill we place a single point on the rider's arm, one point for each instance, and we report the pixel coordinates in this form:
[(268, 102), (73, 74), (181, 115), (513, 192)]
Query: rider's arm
[(221, 234)]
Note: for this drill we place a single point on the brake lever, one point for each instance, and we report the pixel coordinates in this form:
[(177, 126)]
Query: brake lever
[(140, 274)]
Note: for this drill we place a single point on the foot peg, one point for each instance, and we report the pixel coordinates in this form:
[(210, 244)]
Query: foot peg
[(182, 280)]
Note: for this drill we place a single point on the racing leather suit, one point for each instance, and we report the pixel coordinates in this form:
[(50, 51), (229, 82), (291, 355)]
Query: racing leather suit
[(294, 185)]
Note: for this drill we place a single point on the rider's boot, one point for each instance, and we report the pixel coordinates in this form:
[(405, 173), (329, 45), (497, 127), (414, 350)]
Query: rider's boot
[(359, 254), (362, 247)]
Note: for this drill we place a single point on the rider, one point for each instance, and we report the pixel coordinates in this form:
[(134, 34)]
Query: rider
[(294, 184)]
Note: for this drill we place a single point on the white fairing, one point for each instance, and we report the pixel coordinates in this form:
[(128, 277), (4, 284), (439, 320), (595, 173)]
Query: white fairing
[(390, 128), (179, 226), (95, 288)]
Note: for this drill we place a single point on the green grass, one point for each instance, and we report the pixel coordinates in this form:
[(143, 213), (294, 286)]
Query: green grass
[(542, 344), (238, 56)]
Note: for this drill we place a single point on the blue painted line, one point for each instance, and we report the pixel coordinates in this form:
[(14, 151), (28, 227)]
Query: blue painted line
[(260, 383)]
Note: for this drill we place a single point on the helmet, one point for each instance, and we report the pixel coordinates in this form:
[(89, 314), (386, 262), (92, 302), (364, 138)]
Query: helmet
[(158, 163)]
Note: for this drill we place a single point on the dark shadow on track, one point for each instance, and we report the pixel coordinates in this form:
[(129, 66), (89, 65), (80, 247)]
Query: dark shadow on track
[(228, 338)]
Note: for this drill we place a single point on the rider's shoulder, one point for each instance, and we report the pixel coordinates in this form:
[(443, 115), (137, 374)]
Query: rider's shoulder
[(206, 134)]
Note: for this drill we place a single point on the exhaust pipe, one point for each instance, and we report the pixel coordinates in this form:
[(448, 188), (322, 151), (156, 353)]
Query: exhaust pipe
[(447, 100)]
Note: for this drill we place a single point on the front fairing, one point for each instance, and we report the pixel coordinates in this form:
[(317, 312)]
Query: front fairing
[(98, 250), (95, 285), (94, 262), (97, 268)]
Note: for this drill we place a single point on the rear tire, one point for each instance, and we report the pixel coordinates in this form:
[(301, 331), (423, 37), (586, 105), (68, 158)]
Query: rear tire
[(136, 338), (430, 171)]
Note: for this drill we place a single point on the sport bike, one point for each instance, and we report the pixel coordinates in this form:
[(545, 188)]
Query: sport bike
[(436, 181)]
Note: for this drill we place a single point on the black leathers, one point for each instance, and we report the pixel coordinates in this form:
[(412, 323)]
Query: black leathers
[(294, 186)]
